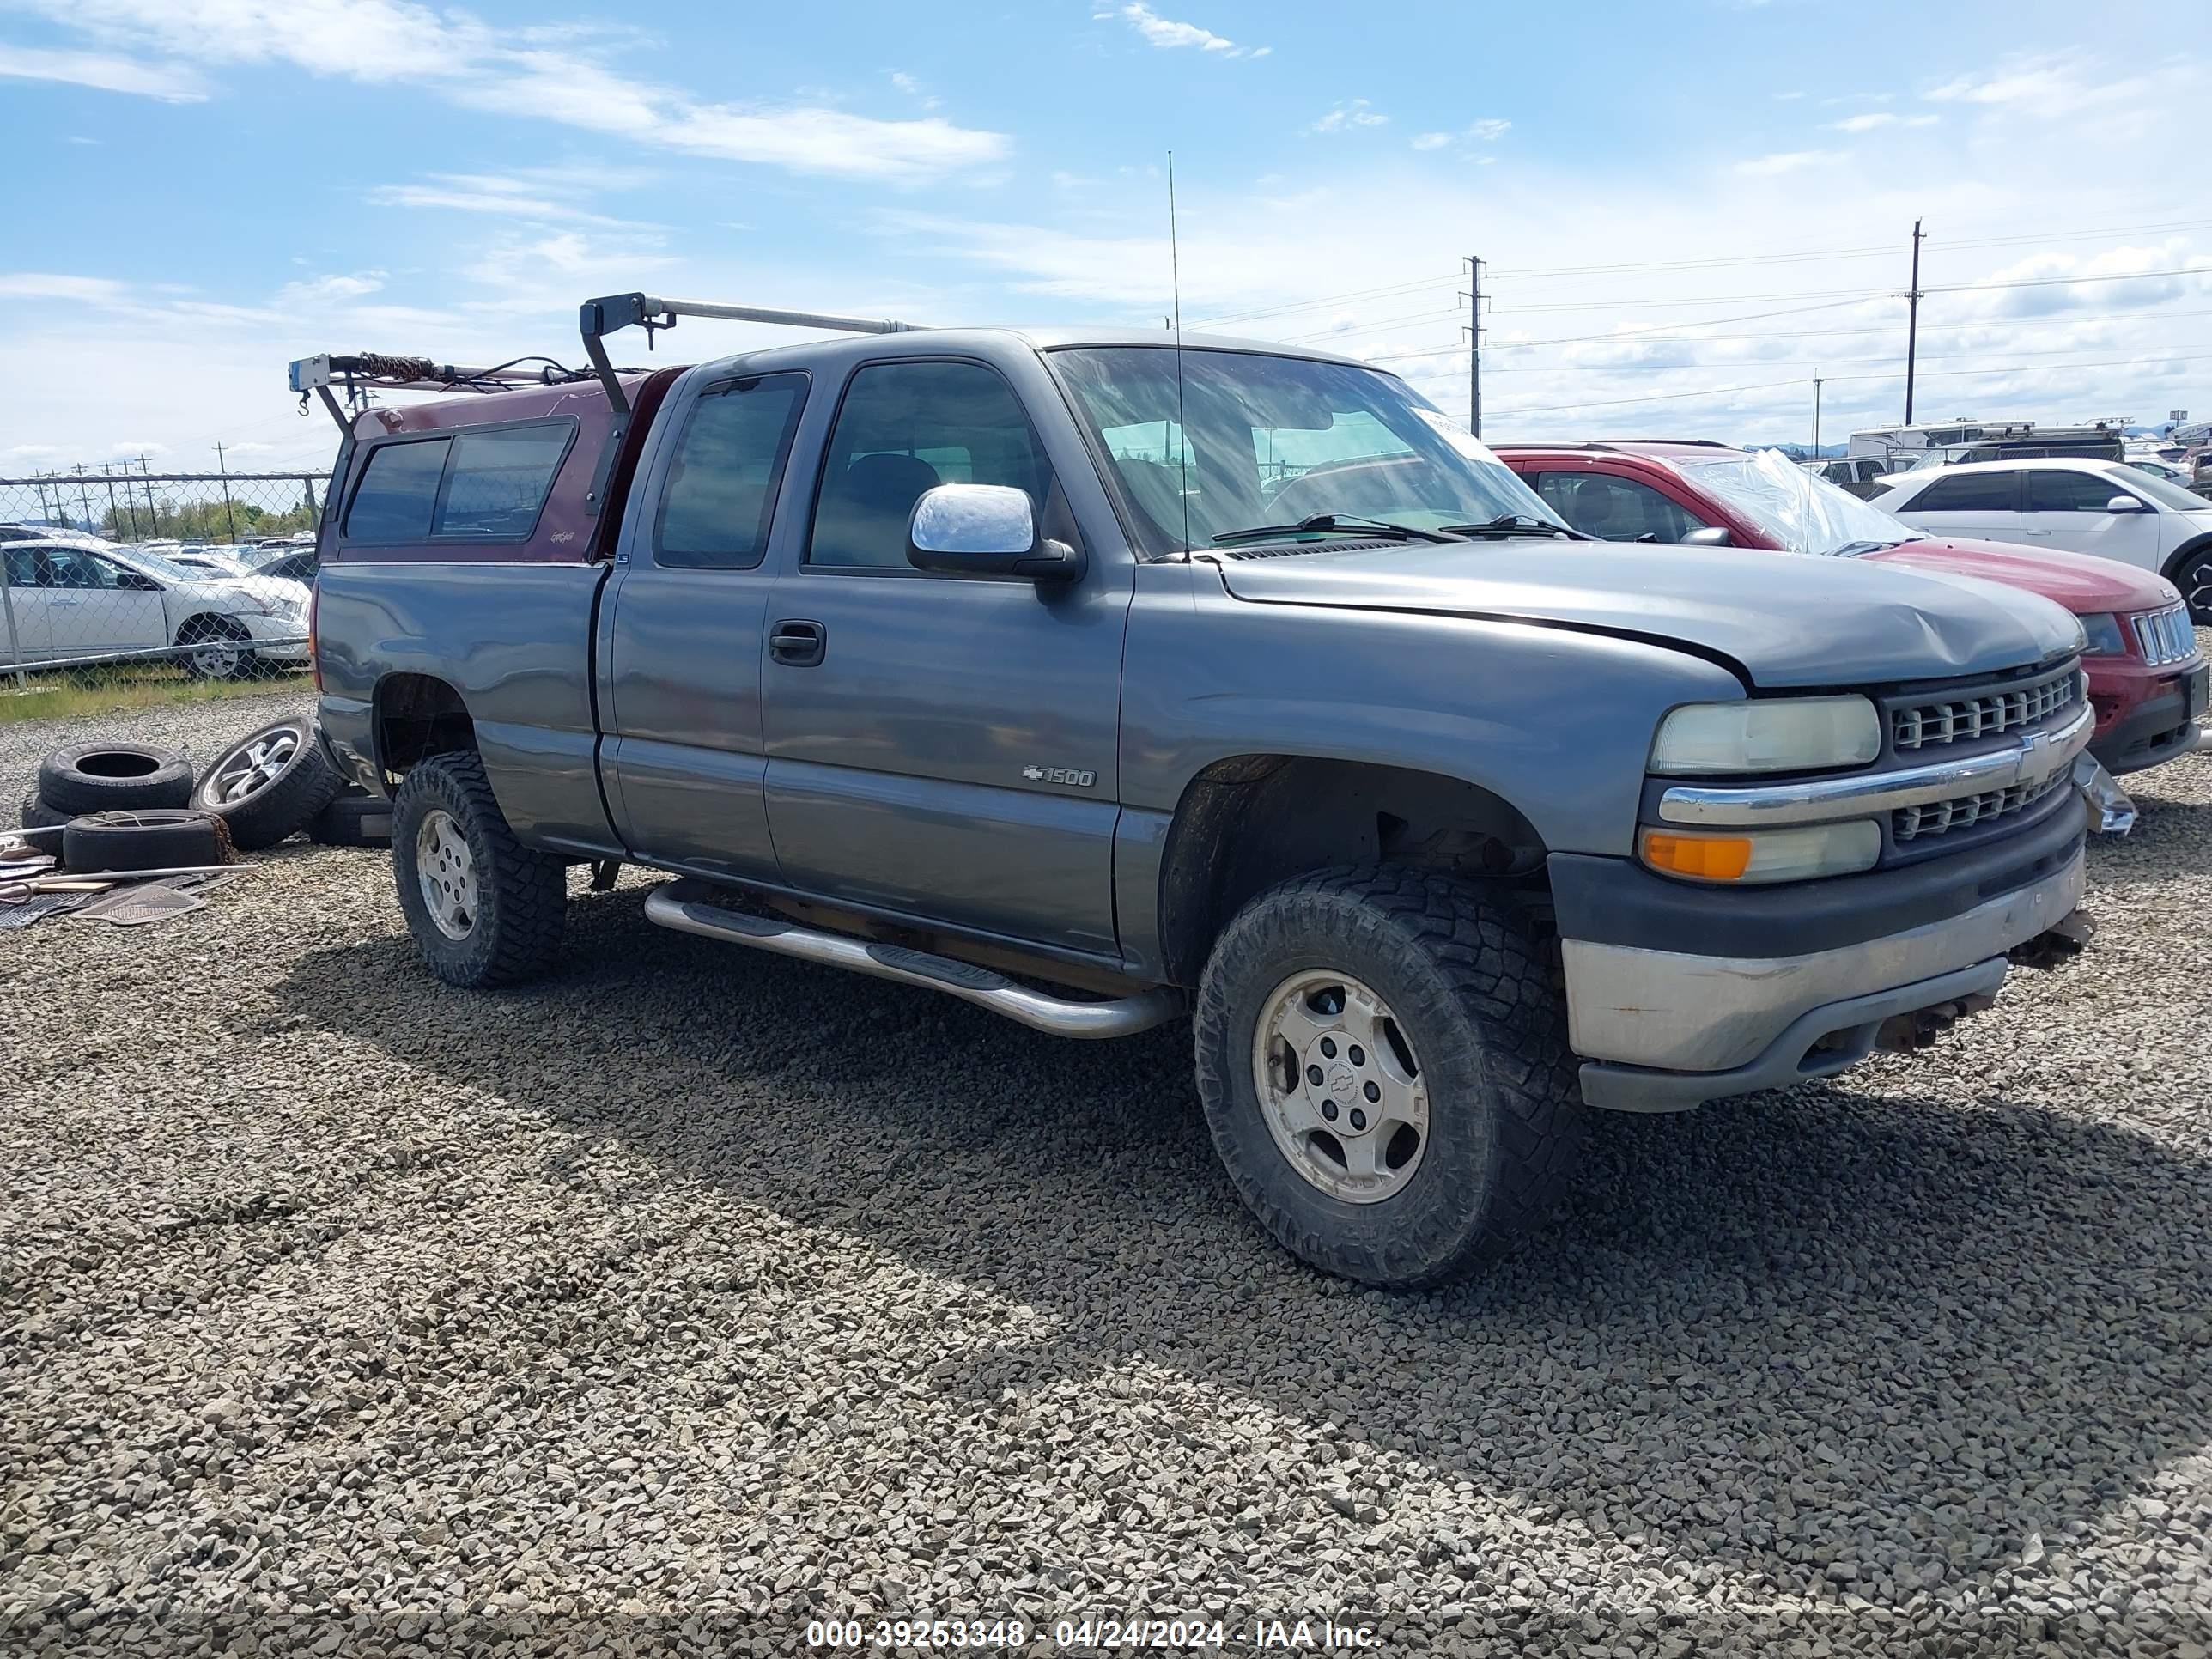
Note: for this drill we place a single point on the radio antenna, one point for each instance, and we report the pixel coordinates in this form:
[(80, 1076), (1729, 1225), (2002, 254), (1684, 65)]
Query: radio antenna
[(1182, 427)]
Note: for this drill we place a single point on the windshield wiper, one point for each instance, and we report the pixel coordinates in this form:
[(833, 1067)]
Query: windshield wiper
[(1855, 549), (1510, 523), (1341, 523)]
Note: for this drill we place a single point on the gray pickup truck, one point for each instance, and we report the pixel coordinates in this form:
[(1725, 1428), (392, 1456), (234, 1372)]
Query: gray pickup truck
[(1101, 679)]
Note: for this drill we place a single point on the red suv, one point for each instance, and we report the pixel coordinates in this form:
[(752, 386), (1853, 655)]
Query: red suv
[(2147, 677)]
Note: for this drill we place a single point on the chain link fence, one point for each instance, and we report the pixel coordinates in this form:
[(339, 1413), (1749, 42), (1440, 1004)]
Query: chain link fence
[(130, 588)]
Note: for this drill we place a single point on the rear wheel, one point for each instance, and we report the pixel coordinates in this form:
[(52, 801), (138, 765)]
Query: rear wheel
[(1384, 1068), (484, 909)]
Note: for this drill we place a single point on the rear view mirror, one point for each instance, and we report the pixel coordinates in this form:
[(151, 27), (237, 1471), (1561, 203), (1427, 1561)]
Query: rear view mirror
[(1711, 535), (2125, 504), (984, 529)]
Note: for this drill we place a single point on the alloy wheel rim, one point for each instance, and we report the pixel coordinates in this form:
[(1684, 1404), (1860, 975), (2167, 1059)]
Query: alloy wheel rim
[(1341, 1086), (446, 870), (254, 767)]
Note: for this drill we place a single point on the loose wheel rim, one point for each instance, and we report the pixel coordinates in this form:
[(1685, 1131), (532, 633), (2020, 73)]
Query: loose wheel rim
[(1341, 1086), (446, 870), (254, 767)]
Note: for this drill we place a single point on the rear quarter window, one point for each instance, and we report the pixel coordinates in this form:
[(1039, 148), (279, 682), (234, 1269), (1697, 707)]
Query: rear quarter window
[(482, 485)]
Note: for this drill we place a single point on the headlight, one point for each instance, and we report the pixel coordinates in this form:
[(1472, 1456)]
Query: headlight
[(1798, 854), (2103, 630), (1791, 734)]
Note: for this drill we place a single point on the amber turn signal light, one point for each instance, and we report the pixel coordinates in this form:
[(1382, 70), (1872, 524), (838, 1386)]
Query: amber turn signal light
[(1709, 858)]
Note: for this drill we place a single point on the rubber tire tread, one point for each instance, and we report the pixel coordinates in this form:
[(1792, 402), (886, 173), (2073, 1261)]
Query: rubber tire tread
[(91, 845), (36, 815), (290, 799), (73, 792), (522, 894), (339, 823), (1467, 980)]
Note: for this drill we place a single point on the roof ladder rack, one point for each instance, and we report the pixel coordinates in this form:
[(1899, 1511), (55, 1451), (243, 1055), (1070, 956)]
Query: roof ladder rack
[(596, 319), (386, 371)]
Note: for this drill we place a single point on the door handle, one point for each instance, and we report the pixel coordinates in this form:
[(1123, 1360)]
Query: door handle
[(798, 644)]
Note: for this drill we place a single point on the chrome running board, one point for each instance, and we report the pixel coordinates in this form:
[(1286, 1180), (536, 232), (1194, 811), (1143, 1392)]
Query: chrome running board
[(679, 905)]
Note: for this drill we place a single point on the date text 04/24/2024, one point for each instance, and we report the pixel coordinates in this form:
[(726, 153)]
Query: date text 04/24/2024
[(1092, 1634)]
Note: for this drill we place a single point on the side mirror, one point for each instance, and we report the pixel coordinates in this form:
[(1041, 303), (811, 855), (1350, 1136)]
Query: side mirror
[(1711, 535), (984, 529), (2126, 504), (131, 581)]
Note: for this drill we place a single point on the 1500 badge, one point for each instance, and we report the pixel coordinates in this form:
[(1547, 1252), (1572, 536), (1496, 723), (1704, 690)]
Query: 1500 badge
[(1066, 774)]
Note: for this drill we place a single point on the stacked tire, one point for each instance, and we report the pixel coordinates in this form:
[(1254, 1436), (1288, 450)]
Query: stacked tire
[(84, 778), (270, 784)]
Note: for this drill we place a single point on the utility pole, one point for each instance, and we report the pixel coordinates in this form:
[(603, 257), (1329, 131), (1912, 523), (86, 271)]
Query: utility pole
[(1816, 411), (115, 512), (1912, 323), (1473, 295), (153, 512), (229, 517)]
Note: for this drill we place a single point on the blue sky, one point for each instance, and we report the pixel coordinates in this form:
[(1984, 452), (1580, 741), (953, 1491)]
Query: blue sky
[(1685, 210)]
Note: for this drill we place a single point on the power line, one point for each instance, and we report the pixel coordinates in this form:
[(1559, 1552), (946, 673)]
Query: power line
[(1846, 363), (1832, 379), (2145, 314), (1716, 262)]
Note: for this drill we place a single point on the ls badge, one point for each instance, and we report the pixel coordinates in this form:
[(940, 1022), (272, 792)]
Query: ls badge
[(1066, 774)]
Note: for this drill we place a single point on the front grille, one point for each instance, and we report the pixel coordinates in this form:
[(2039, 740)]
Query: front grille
[(1988, 713), (2164, 636), (1936, 818)]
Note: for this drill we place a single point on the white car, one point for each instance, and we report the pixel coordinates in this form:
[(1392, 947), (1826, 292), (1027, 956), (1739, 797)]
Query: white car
[(63, 601), (2107, 509)]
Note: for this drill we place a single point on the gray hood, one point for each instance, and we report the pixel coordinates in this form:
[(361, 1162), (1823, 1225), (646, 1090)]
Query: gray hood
[(1786, 620)]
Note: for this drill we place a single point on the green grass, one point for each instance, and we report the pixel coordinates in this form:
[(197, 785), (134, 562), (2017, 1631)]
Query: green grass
[(58, 697)]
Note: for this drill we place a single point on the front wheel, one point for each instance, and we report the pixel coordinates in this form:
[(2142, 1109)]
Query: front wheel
[(484, 909), (218, 650), (1384, 1064), (2192, 575)]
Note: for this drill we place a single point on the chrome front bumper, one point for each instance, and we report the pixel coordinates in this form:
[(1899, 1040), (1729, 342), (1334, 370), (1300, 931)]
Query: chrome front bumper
[(1664, 1029)]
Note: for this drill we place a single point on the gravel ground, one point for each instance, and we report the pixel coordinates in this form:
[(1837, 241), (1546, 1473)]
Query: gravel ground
[(692, 1295)]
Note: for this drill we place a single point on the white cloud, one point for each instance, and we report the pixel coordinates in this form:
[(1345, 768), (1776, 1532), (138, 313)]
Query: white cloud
[(1877, 119), (562, 74), (1792, 160), (37, 285), (914, 89), (330, 288), (1170, 35), (173, 84), (1487, 131), (1345, 116)]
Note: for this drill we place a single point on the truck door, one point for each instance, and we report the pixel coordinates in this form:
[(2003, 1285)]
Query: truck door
[(945, 747), (681, 632)]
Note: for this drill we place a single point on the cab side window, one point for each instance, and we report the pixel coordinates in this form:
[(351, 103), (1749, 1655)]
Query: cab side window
[(720, 494), (903, 429), (1615, 509)]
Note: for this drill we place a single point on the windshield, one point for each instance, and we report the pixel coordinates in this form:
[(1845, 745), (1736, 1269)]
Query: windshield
[(1252, 440), (153, 564), (1802, 510)]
